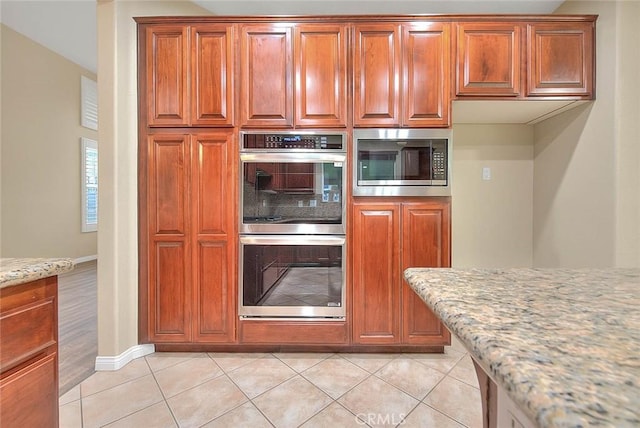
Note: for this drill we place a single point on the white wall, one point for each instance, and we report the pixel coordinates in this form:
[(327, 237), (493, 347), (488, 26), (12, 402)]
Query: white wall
[(586, 185), (492, 219)]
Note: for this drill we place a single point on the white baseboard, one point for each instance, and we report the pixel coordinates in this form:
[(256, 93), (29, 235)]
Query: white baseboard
[(119, 361), (85, 259)]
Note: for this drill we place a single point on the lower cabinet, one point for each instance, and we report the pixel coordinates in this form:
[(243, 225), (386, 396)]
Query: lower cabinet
[(29, 354), (188, 250), (389, 236)]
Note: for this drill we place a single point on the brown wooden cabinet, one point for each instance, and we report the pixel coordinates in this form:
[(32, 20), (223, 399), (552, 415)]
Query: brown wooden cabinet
[(29, 354), (488, 59), (189, 75), (388, 237), (287, 65), (560, 60), (191, 249), (402, 74)]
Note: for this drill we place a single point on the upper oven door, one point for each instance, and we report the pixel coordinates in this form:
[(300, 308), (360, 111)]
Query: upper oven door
[(292, 193)]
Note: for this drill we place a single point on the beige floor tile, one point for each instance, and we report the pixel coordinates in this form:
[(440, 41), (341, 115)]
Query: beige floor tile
[(260, 375), (292, 403), (333, 416), (156, 416), (70, 415), (301, 361), (162, 360), (424, 416), (202, 404), (229, 361), (410, 376), (112, 404), (457, 400), (441, 362), (187, 374), (457, 345), (378, 402), (244, 416), (370, 362), (72, 395), (465, 372), (102, 380), (335, 376)]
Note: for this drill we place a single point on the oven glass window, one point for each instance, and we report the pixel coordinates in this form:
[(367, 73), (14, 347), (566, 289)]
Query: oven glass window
[(292, 275), (292, 192)]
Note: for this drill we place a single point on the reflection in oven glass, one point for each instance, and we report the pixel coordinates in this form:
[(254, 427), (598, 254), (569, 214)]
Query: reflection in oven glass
[(306, 286)]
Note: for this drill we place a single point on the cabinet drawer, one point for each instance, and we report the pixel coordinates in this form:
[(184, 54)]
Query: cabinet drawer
[(29, 397), (26, 331)]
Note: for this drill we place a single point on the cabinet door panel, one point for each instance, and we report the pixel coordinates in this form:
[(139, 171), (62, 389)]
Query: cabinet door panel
[(426, 73), (377, 75), (167, 60), (266, 66), (168, 179), (321, 75), (375, 273), (425, 237), (212, 75), (560, 59), (488, 60)]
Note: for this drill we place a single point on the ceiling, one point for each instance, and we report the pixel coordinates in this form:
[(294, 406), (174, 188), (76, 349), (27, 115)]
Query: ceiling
[(68, 27)]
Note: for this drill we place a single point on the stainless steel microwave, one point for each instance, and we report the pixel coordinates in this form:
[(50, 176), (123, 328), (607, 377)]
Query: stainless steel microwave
[(402, 162)]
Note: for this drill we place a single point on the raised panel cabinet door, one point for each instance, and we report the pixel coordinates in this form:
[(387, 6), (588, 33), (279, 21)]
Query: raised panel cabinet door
[(166, 81), (425, 243), (376, 294), (266, 66), (426, 74), (489, 58), (377, 73), (214, 260), (212, 75), (321, 75), (297, 177), (560, 60)]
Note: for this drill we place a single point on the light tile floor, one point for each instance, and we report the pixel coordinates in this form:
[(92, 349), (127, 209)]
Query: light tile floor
[(280, 390)]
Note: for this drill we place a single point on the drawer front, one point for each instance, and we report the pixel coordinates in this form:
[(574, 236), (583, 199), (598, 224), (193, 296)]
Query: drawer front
[(27, 331), (29, 397)]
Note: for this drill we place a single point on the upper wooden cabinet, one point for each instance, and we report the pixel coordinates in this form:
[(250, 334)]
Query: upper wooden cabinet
[(401, 74), (488, 59), (560, 60), (272, 55), (525, 59), (189, 75)]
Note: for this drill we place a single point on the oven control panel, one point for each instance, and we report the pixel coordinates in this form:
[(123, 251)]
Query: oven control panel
[(292, 141)]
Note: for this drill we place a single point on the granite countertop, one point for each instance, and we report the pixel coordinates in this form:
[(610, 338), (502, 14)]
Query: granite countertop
[(20, 270), (563, 343)]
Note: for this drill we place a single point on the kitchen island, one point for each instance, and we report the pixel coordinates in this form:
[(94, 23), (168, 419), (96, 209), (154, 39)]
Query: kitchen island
[(563, 344), (29, 341)]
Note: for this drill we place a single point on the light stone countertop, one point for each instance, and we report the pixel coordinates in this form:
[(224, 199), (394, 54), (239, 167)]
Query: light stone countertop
[(563, 343), (20, 270)]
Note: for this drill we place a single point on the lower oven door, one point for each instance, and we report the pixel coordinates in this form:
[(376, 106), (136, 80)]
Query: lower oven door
[(292, 276)]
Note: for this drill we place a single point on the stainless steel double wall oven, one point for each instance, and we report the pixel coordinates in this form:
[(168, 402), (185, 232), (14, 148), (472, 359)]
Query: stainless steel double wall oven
[(292, 225)]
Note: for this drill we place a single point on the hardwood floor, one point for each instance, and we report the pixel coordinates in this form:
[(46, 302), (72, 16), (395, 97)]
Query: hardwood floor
[(77, 324)]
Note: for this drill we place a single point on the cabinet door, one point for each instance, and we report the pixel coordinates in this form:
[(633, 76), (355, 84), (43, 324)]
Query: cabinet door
[(297, 177), (214, 260), (169, 293), (488, 59), (376, 69), (425, 243), (166, 79), (376, 294), (212, 75), (560, 59), (321, 75), (266, 67), (426, 74)]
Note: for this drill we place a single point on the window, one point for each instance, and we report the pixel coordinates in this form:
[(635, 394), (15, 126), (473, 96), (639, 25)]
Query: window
[(89, 185), (88, 103)]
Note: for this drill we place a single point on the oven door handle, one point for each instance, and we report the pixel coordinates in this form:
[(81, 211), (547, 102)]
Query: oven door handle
[(292, 157)]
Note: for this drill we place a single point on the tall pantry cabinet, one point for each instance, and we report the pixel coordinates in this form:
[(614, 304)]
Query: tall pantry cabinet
[(187, 169)]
